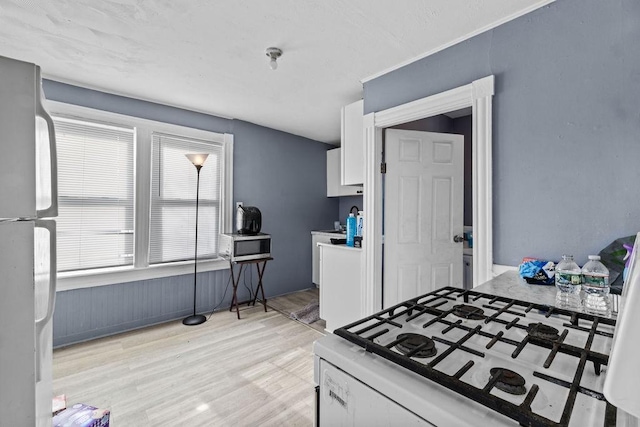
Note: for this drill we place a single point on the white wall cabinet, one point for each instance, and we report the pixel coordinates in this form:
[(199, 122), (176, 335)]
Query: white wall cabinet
[(334, 187), (352, 136), (341, 299)]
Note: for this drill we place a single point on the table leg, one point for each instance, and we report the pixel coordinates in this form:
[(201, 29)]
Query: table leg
[(235, 282), (260, 273)]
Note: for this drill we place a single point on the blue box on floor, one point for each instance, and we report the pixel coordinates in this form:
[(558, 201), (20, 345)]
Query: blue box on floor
[(81, 415)]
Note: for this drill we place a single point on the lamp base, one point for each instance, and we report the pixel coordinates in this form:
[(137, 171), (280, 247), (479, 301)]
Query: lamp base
[(196, 319)]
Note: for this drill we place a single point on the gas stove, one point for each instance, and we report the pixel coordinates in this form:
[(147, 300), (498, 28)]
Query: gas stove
[(471, 358)]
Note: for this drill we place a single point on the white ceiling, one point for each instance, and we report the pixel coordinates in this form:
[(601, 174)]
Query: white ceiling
[(209, 55)]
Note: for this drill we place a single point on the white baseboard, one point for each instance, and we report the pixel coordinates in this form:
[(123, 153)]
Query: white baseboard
[(499, 269)]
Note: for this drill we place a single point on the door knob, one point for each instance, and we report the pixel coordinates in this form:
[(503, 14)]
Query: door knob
[(459, 238)]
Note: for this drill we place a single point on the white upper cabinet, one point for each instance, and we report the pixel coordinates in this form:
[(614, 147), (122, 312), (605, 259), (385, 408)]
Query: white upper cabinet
[(352, 164), (334, 188)]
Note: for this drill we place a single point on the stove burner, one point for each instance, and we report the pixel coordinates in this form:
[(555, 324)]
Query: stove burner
[(508, 381), (413, 341), (540, 330), (468, 312)]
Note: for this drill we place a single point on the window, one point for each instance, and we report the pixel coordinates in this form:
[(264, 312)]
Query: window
[(173, 199), (95, 174), (127, 197)]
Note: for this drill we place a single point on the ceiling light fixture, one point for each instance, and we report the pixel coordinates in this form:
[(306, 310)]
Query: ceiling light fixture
[(274, 53)]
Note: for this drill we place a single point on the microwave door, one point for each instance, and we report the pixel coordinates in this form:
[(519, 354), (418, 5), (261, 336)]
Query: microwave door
[(246, 247)]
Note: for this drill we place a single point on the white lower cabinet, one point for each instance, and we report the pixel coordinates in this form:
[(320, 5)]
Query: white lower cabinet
[(340, 285), (315, 254)]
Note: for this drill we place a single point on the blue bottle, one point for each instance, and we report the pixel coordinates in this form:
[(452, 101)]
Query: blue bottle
[(351, 229)]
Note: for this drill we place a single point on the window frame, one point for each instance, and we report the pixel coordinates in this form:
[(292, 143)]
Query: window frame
[(86, 201), (204, 202), (141, 269)]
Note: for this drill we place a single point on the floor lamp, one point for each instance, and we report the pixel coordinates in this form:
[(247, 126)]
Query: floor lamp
[(196, 319)]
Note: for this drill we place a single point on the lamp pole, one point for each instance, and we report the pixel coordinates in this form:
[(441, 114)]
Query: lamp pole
[(196, 319)]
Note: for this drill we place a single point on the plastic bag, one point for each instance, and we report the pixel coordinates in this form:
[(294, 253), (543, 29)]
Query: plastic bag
[(538, 272), (613, 257)]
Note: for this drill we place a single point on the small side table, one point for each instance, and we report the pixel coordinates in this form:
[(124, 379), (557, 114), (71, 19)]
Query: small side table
[(235, 281)]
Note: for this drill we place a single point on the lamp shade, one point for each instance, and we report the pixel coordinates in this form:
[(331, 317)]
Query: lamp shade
[(197, 159)]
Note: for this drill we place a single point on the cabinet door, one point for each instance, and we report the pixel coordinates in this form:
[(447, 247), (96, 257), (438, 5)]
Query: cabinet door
[(352, 135), (340, 286), (334, 188), (315, 253)]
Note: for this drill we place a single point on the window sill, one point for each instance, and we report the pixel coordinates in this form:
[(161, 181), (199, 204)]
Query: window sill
[(110, 276)]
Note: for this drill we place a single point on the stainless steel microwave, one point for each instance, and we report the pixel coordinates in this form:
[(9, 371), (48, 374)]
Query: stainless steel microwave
[(243, 247)]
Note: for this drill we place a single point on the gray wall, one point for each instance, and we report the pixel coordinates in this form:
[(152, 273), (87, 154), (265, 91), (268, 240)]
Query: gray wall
[(566, 121), (346, 203), (283, 174), (89, 313), (463, 126), (439, 123)]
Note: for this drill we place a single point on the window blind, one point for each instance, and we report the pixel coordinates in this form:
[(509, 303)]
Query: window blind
[(96, 194), (173, 199)]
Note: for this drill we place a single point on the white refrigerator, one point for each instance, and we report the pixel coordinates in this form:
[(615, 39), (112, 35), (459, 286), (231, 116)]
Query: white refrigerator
[(28, 204)]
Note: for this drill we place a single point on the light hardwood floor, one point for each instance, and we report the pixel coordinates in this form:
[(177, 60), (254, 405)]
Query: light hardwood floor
[(225, 372)]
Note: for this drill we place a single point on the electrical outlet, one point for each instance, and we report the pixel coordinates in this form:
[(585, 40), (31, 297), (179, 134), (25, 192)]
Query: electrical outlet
[(238, 204)]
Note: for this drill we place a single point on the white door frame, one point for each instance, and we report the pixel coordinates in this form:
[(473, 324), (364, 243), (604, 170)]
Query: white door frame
[(479, 96)]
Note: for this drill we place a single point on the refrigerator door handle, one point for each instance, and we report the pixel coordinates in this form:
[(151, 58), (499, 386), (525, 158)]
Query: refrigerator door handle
[(50, 225), (41, 111)]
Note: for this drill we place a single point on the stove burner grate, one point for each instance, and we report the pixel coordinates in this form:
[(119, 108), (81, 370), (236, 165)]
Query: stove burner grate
[(410, 342), (365, 332), (468, 312), (508, 381), (540, 330)]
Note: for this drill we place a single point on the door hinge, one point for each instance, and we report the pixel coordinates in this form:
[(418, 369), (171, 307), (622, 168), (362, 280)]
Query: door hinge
[(383, 168)]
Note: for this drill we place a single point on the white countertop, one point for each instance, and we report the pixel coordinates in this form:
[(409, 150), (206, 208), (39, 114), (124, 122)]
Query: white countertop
[(509, 284), (330, 233), (341, 247)]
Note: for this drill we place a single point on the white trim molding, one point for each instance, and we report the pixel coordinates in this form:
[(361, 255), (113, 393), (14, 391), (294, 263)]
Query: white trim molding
[(482, 180), (227, 185), (142, 269), (479, 96), (372, 202), (498, 269), (110, 276), (537, 5)]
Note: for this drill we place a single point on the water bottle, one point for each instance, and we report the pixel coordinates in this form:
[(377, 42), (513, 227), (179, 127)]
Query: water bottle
[(568, 280), (351, 229), (596, 287), (359, 223)]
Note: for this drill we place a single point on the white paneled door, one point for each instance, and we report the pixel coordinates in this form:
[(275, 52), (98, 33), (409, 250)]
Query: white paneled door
[(423, 213)]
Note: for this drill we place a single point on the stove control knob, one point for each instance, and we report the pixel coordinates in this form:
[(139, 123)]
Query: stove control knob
[(458, 239)]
